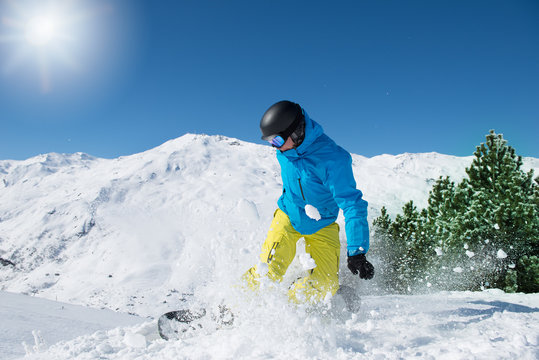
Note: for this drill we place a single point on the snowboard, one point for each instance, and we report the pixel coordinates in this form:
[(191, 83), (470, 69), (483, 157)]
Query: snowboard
[(178, 324)]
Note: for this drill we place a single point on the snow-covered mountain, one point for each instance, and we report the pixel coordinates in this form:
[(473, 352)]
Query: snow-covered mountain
[(138, 233), (112, 232)]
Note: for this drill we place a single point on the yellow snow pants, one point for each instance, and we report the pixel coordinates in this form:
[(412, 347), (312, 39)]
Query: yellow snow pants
[(279, 250)]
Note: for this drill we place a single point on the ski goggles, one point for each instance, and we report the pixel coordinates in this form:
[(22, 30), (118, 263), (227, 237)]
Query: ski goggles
[(277, 141)]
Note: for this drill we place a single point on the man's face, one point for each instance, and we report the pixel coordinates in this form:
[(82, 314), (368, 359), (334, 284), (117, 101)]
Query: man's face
[(289, 144)]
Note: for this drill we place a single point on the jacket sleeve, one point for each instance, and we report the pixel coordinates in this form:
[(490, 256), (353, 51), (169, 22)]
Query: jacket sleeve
[(341, 182)]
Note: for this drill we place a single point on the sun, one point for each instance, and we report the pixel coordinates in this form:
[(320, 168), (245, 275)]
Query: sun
[(42, 30), (50, 33)]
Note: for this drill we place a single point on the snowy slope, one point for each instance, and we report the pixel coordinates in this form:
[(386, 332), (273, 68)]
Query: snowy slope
[(112, 232), (135, 233), (488, 325), (23, 316)]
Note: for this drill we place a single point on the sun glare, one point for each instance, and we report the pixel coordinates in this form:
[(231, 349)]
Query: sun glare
[(50, 32), (41, 30)]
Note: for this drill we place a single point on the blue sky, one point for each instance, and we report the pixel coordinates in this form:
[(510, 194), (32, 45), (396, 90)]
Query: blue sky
[(386, 76)]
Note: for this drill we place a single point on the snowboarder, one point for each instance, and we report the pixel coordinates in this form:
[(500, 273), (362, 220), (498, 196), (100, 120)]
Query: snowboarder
[(317, 181)]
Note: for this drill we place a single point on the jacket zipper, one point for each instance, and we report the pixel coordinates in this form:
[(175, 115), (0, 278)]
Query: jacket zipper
[(301, 189)]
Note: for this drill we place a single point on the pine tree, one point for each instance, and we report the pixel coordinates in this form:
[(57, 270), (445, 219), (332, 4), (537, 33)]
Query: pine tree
[(408, 229), (482, 232), (505, 201)]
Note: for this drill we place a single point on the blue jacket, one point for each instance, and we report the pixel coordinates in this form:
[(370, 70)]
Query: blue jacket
[(319, 173)]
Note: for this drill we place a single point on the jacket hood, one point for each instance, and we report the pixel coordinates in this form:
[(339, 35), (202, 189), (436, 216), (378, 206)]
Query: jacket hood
[(313, 131)]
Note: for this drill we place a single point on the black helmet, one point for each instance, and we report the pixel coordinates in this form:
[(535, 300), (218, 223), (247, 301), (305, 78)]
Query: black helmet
[(281, 119)]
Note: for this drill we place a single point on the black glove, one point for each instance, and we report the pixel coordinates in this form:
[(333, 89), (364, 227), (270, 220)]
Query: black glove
[(359, 264)]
